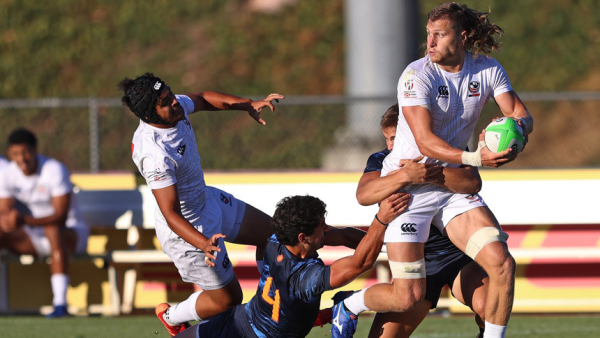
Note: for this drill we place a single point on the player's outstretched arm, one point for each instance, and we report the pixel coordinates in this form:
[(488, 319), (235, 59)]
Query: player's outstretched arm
[(219, 101), (168, 201), (373, 189), (348, 237), (346, 269)]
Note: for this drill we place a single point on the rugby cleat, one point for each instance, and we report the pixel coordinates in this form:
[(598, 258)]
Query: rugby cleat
[(343, 324), (324, 317), (59, 312), (172, 329)]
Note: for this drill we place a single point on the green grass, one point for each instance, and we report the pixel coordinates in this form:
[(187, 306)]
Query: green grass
[(550, 326)]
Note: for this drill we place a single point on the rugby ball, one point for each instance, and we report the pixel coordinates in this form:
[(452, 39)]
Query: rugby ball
[(504, 133)]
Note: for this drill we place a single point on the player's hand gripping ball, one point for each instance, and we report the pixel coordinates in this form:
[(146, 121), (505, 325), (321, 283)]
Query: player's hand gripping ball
[(504, 133)]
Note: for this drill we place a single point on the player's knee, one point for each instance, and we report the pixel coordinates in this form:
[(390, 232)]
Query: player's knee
[(501, 265), (405, 298)]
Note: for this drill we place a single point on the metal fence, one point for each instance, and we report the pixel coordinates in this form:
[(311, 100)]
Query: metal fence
[(305, 132)]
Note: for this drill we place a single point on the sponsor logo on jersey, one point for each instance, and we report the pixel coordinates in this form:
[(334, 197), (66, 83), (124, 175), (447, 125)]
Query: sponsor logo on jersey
[(226, 262), (155, 175), (41, 189), (473, 198), (157, 85), (408, 86), (132, 148), (443, 92), (225, 199), (409, 229), (181, 149), (474, 88)]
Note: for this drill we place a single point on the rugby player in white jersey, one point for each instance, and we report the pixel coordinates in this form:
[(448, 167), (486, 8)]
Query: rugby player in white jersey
[(38, 212), (193, 218), (442, 96)]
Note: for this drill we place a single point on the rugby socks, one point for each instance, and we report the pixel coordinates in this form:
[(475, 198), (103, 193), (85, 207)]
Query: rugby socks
[(260, 264), (493, 330), (183, 312), (60, 283), (356, 302)]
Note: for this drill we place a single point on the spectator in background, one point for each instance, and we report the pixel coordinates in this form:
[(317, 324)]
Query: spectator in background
[(38, 212)]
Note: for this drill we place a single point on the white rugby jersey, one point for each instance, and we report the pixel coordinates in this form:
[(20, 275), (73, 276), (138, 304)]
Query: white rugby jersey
[(455, 101), (3, 163), (33, 194), (167, 156)]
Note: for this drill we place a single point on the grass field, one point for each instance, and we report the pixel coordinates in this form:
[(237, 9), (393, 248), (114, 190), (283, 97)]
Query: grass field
[(549, 326)]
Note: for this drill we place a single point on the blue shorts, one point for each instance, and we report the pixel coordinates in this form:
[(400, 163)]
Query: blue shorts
[(232, 323)]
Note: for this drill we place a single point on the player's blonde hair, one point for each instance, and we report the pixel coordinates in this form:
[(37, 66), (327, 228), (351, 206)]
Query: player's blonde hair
[(480, 31)]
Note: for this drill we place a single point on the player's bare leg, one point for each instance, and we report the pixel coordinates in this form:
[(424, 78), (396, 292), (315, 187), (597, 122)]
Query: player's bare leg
[(17, 241), (399, 324), (494, 258), (402, 294), (470, 288), (59, 267), (212, 302), (255, 230)]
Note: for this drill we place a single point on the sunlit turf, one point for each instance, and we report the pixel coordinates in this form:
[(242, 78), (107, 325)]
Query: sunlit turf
[(546, 326)]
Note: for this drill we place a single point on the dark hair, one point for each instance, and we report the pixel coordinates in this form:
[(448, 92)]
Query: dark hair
[(295, 215), (480, 31), (390, 117), (22, 136), (141, 96)]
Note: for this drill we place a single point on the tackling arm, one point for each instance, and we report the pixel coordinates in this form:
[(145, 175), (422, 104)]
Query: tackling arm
[(346, 269)]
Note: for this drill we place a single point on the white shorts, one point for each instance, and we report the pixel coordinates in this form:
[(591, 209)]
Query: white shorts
[(42, 244), (432, 207), (223, 214)]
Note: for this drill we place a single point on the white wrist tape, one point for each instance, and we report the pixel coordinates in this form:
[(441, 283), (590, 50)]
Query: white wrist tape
[(473, 158)]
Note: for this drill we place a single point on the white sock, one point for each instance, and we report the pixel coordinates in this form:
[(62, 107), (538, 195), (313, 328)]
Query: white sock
[(183, 312), (60, 283), (260, 264), (356, 302), (493, 330)]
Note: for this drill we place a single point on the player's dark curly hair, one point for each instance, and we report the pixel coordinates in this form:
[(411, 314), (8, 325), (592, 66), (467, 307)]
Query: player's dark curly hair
[(295, 215), (480, 31), (390, 117), (22, 136)]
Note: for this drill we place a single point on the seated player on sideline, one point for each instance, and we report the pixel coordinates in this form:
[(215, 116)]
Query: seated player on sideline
[(288, 296), (445, 264), (38, 212)]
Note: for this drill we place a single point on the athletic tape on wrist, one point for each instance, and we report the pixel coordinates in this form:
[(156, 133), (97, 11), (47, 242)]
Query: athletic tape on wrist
[(473, 158), (408, 270)]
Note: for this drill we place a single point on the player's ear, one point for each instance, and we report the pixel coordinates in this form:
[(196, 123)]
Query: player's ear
[(302, 238), (463, 37)]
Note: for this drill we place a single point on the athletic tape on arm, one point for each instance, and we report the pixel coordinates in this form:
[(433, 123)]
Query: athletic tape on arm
[(483, 237), (473, 158), (411, 270)]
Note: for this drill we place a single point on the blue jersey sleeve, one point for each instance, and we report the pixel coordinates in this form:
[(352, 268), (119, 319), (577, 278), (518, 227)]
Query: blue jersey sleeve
[(375, 161)]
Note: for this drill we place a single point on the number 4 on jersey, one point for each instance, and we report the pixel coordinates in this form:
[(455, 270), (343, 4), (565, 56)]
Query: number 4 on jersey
[(271, 301)]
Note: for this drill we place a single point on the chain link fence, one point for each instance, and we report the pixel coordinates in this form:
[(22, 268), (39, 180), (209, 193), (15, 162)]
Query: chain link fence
[(305, 132)]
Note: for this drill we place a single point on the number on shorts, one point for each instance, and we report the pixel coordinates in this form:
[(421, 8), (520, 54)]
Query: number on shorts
[(271, 301)]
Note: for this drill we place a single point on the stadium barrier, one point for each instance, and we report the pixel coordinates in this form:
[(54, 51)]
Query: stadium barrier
[(549, 214)]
